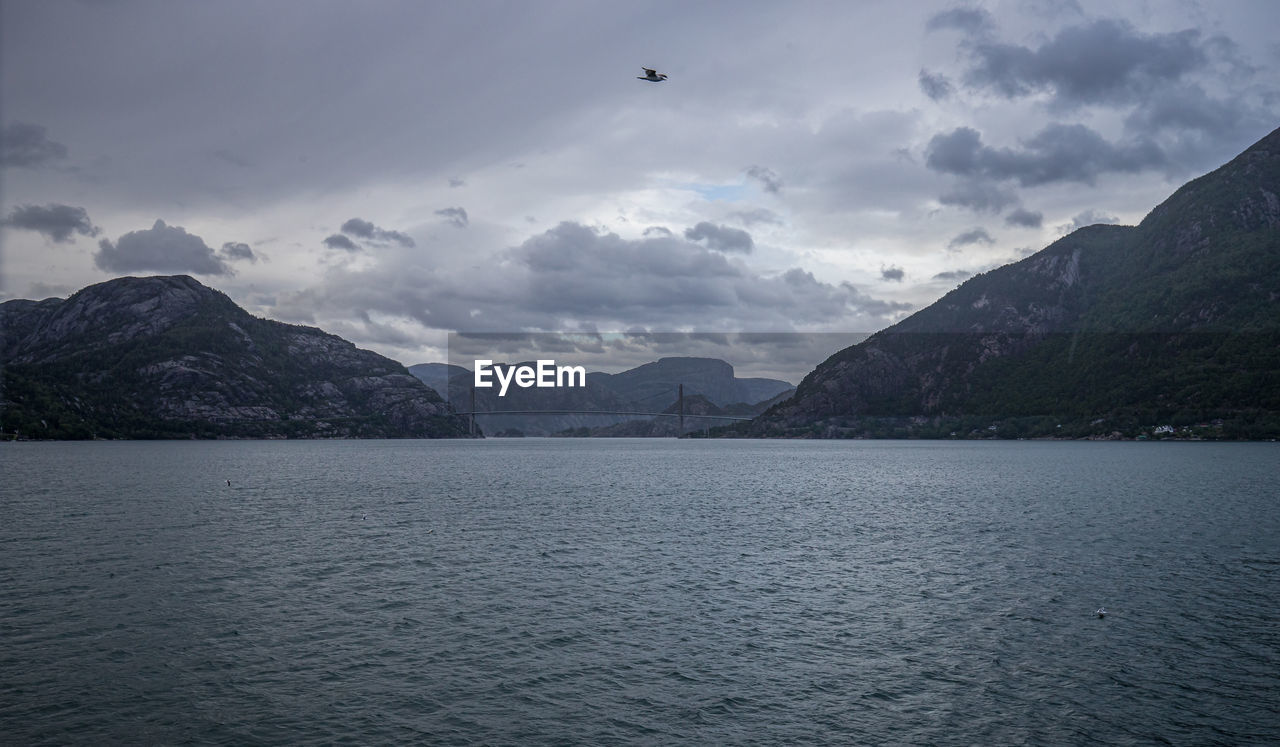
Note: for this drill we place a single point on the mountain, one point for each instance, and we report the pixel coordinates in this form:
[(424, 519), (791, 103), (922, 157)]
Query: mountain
[(710, 377), (437, 376), (1168, 327), (167, 357), (646, 388)]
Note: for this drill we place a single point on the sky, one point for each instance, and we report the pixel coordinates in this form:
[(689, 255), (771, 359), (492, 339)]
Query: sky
[(393, 172)]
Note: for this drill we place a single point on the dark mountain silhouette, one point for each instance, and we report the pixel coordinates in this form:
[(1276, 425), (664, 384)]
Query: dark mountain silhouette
[(167, 357)]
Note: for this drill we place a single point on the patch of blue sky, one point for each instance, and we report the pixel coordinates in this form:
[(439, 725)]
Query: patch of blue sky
[(719, 192)]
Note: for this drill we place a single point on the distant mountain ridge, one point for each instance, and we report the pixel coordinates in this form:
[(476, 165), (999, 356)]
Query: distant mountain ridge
[(651, 387), (167, 357), (1111, 331)]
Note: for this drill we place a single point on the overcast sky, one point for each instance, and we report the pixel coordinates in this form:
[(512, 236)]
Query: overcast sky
[(394, 171)]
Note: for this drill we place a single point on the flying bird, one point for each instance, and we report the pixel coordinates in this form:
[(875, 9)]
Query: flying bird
[(651, 75)]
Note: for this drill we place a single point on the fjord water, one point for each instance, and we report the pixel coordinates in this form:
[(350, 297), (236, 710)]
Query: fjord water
[(639, 591)]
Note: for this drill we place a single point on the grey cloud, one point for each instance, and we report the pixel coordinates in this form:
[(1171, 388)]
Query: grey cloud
[(41, 290), (338, 241), (57, 222), (952, 275), (768, 178), (935, 85), (979, 196), (657, 231), (894, 274), (456, 216), (1188, 107), (975, 236), (1087, 218), (1103, 62), (572, 275), (721, 238), (360, 228), (1024, 218), (226, 156), (455, 182), (365, 230), (1053, 8), (968, 20), (161, 248), (234, 250), (1200, 96), (1057, 153), (27, 145), (757, 215)]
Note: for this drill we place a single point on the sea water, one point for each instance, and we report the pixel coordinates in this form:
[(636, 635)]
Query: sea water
[(555, 591)]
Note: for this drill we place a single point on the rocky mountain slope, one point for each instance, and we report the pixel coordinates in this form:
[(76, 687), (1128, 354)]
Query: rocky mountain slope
[(167, 357), (1171, 326)]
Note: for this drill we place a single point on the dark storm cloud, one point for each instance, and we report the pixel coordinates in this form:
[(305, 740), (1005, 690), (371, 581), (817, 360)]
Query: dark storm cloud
[(979, 196), (894, 274), (968, 20), (27, 145), (952, 275), (1057, 153), (455, 216), (574, 275), (935, 85), (768, 178), (338, 241), (365, 230), (57, 222), (161, 248), (975, 236), (721, 238), (1024, 218), (235, 250), (1199, 97), (1106, 61), (1089, 217)]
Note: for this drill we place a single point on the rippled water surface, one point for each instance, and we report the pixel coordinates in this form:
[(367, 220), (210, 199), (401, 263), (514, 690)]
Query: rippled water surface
[(639, 591)]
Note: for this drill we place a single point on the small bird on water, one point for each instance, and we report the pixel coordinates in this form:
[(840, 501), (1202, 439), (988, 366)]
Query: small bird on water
[(1102, 612)]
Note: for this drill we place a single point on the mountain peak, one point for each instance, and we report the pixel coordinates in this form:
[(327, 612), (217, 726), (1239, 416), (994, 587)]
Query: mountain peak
[(166, 356)]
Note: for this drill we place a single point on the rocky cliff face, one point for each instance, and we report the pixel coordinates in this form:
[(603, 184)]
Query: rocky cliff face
[(1111, 329), (167, 357)]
